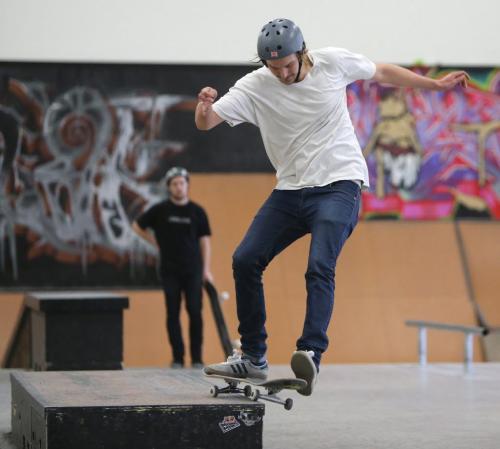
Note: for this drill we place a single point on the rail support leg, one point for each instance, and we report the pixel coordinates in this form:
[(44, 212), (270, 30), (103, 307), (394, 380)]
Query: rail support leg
[(468, 352), (422, 346)]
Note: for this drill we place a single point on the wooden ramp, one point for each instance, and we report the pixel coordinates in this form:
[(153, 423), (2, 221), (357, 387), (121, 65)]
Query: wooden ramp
[(18, 352), (482, 249), (391, 272)]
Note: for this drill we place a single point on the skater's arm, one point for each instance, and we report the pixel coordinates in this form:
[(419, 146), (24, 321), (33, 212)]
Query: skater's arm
[(401, 77), (204, 116), (144, 234), (206, 251)]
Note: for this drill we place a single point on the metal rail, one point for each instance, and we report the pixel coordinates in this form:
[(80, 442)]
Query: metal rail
[(468, 331)]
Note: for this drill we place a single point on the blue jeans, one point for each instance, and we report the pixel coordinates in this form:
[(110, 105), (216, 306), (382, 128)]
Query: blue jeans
[(330, 214)]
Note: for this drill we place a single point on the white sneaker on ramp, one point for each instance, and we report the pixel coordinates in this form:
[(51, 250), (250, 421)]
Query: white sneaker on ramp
[(304, 368), (238, 366)]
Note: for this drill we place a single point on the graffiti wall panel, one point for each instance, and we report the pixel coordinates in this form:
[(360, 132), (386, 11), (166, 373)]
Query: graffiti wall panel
[(84, 149), (431, 155)]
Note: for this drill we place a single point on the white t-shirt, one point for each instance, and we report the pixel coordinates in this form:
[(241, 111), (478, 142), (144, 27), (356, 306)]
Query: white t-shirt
[(306, 128)]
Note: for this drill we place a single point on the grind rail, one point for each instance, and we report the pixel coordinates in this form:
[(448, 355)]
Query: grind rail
[(468, 331)]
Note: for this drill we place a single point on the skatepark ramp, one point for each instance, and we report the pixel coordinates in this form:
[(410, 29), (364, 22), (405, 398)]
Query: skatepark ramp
[(18, 350), (388, 272), (481, 256)]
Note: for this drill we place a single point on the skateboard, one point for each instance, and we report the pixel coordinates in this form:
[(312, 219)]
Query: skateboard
[(220, 322), (252, 388)]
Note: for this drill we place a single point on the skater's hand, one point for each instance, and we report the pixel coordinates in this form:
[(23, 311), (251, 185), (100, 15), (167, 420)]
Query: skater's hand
[(452, 79), (204, 116), (206, 97)]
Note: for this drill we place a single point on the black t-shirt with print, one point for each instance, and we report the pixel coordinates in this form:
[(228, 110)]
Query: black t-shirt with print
[(177, 230)]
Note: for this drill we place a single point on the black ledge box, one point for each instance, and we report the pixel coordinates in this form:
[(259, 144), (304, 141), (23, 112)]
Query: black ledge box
[(129, 409), (76, 330)]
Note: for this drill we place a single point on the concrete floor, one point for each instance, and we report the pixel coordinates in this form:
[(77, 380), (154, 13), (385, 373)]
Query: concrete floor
[(374, 407), (392, 407)]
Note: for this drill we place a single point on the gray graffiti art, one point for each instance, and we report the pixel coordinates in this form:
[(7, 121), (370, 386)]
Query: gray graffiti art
[(75, 171)]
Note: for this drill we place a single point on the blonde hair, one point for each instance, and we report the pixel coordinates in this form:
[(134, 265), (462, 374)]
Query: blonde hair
[(300, 55)]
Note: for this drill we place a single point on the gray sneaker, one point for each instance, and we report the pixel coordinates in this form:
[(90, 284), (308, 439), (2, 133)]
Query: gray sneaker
[(238, 366), (304, 368)]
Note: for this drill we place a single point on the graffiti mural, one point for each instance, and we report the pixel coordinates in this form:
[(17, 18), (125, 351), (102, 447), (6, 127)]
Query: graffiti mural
[(431, 155), (84, 149), (83, 168)]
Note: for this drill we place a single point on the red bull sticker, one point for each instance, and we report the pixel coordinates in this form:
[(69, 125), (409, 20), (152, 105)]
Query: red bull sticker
[(229, 423)]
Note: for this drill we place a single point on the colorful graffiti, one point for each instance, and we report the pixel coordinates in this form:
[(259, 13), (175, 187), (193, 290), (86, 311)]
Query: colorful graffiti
[(431, 155), (77, 169)]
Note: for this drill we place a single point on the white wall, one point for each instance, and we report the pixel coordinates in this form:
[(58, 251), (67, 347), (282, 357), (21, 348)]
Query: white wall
[(454, 32)]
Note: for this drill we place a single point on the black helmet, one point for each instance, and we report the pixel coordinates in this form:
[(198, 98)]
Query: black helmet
[(279, 38), (174, 172)]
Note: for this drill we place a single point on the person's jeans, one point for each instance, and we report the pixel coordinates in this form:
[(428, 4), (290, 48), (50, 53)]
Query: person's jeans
[(330, 214), (174, 285)]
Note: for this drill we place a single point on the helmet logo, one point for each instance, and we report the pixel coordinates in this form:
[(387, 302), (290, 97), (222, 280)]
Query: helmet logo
[(274, 54)]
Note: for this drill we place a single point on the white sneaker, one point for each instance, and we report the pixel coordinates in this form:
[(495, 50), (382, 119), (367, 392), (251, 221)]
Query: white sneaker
[(304, 368), (238, 366)]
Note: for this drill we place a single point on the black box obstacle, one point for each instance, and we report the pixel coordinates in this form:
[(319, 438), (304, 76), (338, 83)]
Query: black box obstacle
[(76, 330), (129, 409)]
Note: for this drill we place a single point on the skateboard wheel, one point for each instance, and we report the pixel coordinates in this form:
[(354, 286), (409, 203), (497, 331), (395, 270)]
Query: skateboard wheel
[(288, 404), (214, 391), (248, 391), (254, 395)]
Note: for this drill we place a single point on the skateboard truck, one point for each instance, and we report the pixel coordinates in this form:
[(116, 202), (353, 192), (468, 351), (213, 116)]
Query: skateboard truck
[(252, 391), (255, 395)]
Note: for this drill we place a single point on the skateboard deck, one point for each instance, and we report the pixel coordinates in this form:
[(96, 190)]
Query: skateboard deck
[(252, 388), (220, 322)]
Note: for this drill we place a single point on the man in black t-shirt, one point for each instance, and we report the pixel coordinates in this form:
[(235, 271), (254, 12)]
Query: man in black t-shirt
[(182, 234)]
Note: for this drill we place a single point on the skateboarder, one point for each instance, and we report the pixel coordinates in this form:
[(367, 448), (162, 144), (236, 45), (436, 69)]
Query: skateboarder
[(182, 233), (298, 100)]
